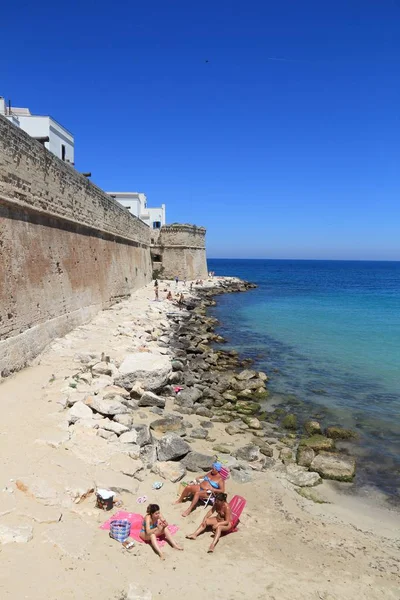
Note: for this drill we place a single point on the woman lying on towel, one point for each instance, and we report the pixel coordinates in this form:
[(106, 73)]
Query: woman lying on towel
[(220, 522), (155, 525), (203, 486)]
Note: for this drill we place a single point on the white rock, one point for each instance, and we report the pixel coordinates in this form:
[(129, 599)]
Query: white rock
[(109, 406), (125, 419), (125, 464), (18, 534), (78, 411), (129, 438), (107, 435), (151, 370), (171, 470), (99, 383), (113, 426), (300, 477)]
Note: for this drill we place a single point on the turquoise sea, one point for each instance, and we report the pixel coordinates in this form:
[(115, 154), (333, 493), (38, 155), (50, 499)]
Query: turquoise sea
[(328, 334)]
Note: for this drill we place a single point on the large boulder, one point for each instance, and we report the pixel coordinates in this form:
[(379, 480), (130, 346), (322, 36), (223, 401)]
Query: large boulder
[(317, 443), (143, 432), (247, 407), (300, 477), (150, 399), (334, 466), (241, 475), (151, 370), (304, 456), (148, 455), (108, 407), (265, 448), (171, 470), (113, 426), (196, 461), (188, 397), (289, 421), (246, 374), (199, 433), (130, 437), (169, 423), (249, 453), (312, 427), (338, 433), (171, 447), (79, 411)]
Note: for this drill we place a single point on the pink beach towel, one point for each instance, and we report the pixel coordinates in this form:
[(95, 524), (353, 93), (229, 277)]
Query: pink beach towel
[(136, 521)]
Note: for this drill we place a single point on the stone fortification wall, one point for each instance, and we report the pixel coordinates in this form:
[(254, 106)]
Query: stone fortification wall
[(180, 250), (66, 248)]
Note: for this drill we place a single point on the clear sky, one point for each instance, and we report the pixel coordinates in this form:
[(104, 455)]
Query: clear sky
[(274, 124)]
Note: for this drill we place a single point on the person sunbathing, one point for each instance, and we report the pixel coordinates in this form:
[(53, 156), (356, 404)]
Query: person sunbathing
[(169, 295), (203, 486), (155, 525), (220, 522)]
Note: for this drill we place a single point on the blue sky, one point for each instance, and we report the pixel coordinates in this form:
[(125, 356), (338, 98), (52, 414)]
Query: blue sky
[(274, 124)]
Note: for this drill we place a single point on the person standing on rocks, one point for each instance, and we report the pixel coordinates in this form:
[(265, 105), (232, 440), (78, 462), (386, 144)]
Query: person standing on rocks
[(176, 281), (203, 486), (156, 290)]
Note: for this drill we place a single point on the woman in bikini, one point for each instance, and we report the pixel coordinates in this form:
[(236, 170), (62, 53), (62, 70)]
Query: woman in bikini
[(155, 525), (220, 522), (200, 490)]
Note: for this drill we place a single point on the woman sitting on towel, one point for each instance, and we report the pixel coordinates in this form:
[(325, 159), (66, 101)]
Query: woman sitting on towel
[(220, 522), (155, 525), (202, 487)]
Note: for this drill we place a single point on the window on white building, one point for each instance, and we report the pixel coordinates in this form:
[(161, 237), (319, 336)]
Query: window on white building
[(156, 224)]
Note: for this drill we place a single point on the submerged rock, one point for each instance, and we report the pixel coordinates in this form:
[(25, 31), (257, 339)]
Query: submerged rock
[(334, 466), (318, 442), (338, 433), (247, 407), (290, 421), (312, 427)]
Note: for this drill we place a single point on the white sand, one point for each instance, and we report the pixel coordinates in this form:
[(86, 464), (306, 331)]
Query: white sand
[(286, 547)]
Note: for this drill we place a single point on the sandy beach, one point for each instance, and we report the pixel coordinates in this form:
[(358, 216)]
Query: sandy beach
[(51, 544)]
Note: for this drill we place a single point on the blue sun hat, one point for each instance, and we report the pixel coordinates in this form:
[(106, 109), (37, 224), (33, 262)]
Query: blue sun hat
[(217, 466)]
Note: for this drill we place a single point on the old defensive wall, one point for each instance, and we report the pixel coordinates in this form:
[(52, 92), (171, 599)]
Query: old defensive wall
[(67, 249), (179, 250)]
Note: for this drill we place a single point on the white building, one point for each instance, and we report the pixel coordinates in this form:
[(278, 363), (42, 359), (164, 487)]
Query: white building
[(46, 130), (136, 203)]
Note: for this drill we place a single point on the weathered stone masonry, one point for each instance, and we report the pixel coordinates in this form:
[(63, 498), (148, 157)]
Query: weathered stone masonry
[(66, 248), (179, 250)]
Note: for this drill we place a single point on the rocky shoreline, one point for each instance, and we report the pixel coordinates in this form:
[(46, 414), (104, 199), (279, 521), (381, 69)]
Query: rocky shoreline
[(191, 376), (146, 393)]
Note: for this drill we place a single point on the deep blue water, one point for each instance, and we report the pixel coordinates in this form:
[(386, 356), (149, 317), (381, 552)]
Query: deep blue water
[(328, 333)]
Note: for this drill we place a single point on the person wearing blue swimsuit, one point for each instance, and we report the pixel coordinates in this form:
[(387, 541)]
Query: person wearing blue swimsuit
[(203, 486), (155, 525)]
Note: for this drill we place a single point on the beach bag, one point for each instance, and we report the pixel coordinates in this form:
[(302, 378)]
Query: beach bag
[(105, 499), (120, 529), (181, 487)]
